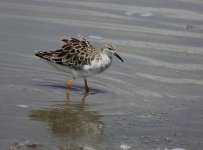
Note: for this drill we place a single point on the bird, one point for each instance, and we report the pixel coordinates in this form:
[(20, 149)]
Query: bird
[(81, 58)]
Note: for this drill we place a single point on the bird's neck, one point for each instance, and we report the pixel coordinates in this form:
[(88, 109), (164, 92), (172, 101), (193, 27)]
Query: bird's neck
[(106, 52)]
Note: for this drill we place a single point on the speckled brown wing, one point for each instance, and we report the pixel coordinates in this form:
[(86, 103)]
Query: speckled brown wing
[(74, 53)]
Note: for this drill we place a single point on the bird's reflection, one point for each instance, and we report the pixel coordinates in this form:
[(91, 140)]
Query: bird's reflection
[(72, 119)]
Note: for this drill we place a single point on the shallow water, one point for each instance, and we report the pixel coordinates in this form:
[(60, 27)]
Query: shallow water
[(151, 101)]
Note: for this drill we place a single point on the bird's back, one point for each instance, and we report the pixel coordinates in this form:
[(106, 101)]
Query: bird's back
[(74, 54)]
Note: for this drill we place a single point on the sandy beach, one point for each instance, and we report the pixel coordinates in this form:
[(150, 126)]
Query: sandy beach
[(152, 101)]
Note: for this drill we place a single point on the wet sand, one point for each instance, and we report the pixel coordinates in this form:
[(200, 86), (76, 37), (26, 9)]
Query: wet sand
[(152, 101)]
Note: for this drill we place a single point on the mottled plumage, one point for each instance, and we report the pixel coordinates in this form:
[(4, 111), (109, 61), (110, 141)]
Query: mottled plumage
[(74, 54), (80, 57)]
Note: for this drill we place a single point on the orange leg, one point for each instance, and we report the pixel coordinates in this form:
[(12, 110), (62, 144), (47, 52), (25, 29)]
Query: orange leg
[(86, 87), (70, 82)]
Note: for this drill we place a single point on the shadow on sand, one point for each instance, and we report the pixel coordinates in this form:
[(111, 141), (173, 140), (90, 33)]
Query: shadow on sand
[(74, 88)]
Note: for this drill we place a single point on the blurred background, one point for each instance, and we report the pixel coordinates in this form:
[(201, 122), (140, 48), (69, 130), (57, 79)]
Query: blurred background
[(151, 101)]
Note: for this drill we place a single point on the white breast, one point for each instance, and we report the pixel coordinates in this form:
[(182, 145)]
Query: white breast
[(97, 66)]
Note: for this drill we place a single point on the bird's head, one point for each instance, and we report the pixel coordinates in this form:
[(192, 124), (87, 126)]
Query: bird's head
[(111, 49)]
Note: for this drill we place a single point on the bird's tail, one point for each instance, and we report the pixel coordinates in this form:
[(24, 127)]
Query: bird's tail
[(39, 54)]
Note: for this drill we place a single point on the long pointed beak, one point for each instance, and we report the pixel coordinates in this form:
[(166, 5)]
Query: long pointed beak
[(118, 57)]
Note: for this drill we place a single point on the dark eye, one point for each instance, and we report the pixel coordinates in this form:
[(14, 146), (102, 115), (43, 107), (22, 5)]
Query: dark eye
[(110, 48)]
